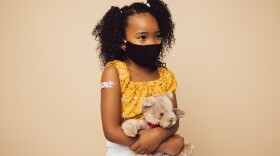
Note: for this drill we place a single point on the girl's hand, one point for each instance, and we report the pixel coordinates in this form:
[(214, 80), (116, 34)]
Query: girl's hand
[(147, 142), (172, 146)]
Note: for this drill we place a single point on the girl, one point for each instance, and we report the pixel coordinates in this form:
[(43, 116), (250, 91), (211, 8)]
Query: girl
[(132, 43)]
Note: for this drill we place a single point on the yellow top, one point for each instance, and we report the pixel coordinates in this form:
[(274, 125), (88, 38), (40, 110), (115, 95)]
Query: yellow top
[(134, 92)]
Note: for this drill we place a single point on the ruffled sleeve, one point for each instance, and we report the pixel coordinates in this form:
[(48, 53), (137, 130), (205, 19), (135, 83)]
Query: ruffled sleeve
[(171, 81), (123, 73)]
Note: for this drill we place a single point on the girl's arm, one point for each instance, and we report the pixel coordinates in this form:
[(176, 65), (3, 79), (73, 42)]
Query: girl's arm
[(167, 132), (172, 146), (166, 137), (111, 109), (111, 116)]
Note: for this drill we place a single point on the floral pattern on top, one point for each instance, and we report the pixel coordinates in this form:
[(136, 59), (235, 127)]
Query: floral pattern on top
[(134, 92)]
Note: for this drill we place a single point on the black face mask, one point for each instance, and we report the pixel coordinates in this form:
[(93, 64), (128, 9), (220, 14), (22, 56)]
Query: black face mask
[(144, 55)]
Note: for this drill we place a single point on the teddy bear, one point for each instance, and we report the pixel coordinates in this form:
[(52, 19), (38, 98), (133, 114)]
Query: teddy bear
[(158, 111)]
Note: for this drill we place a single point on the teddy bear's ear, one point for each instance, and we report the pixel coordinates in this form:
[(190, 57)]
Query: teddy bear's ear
[(179, 112), (169, 95), (149, 101)]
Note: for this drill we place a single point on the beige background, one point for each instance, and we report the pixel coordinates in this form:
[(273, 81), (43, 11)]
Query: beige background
[(226, 60)]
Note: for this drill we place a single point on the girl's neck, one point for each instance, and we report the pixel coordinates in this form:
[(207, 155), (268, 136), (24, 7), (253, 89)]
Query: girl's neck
[(139, 73), (134, 67)]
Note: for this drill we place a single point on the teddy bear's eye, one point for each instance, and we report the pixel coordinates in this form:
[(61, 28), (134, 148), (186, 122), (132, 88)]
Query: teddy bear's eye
[(161, 114)]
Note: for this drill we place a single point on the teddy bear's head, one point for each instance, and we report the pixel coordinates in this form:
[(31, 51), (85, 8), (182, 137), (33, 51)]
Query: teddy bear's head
[(158, 110)]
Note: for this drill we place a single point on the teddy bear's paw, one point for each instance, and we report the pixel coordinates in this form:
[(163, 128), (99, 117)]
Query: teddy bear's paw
[(129, 129), (158, 154), (154, 154), (187, 150)]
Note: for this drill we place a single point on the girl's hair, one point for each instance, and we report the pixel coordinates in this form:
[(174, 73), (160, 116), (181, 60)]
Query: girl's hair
[(110, 31)]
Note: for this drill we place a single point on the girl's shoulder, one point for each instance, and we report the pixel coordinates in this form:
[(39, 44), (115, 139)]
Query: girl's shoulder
[(121, 68), (120, 65), (166, 72), (122, 72), (117, 63), (168, 77)]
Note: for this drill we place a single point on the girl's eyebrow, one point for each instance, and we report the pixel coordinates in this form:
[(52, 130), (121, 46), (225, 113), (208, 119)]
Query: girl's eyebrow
[(144, 33), (157, 32), (141, 33)]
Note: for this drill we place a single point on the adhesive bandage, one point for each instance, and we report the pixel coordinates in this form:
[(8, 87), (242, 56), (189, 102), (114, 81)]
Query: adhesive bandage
[(107, 84)]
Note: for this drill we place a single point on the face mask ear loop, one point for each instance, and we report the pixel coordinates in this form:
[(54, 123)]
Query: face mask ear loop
[(125, 44)]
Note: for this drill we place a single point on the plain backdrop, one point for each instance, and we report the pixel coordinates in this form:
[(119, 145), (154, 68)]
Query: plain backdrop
[(226, 61)]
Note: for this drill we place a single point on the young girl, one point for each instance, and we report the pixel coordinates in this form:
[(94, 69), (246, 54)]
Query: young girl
[(132, 42)]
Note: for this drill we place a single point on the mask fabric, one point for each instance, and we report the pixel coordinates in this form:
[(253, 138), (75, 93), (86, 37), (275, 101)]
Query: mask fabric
[(144, 55)]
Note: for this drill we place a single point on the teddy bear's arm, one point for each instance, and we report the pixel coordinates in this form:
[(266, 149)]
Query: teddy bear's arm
[(132, 126)]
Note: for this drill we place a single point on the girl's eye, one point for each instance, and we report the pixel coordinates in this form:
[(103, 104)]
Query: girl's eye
[(142, 37), (158, 36)]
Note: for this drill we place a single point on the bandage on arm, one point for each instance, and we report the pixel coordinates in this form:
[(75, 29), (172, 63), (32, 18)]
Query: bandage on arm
[(107, 84), (111, 110)]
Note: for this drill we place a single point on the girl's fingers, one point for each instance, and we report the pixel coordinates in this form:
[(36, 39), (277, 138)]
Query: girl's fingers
[(143, 152), (134, 147), (139, 151)]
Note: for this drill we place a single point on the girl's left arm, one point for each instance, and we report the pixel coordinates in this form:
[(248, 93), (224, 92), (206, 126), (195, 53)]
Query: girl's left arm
[(163, 133)]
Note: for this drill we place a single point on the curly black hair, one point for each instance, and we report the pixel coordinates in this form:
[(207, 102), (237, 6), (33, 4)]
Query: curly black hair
[(110, 30)]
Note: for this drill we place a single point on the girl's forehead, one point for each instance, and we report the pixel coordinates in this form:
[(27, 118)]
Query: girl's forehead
[(143, 22)]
